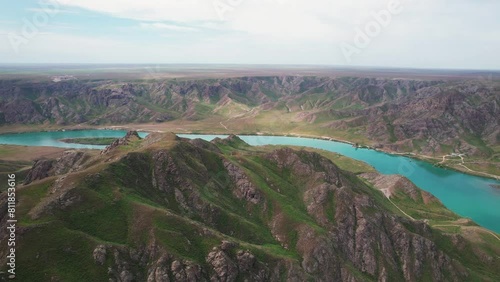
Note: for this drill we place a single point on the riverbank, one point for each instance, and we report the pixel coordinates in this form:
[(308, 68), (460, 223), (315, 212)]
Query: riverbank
[(178, 130), (461, 167)]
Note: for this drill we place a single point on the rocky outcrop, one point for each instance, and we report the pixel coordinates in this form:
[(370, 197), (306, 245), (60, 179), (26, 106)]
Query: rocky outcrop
[(69, 161), (390, 184), (41, 169), (232, 141), (163, 267), (223, 267), (125, 140), (100, 254), (244, 188), (205, 145)]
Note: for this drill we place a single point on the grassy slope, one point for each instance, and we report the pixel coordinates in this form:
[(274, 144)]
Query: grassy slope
[(116, 212)]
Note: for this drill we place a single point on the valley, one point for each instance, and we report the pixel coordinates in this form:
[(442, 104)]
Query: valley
[(283, 201), (427, 117)]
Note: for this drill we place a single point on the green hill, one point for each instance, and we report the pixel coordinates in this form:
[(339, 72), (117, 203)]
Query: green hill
[(171, 209)]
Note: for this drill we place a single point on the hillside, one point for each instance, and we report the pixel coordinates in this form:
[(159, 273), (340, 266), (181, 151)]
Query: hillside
[(429, 117), (170, 209)]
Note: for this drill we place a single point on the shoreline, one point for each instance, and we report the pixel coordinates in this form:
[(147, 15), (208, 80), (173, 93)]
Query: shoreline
[(411, 155)]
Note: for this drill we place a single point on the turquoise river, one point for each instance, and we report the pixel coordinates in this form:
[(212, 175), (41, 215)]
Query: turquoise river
[(469, 196)]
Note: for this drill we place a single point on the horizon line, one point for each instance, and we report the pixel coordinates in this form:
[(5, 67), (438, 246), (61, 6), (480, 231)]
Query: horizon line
[(322, 66)]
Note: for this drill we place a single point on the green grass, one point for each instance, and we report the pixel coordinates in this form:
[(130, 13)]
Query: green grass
[(417, 209), (390, 128), (157, 108), (183, 239), (52, 252), (203, 110), (288, 199), (19, 168), (99, 217), (90, 141), (479, 143), (29, 198), (345, 163)]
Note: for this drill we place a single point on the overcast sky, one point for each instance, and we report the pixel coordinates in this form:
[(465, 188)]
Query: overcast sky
[(386, 33)]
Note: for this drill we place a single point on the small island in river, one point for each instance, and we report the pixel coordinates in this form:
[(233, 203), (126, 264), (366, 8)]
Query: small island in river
[(89, 141)]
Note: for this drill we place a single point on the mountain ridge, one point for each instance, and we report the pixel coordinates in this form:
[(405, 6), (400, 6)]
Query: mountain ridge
[(171, 209), (429, 117)]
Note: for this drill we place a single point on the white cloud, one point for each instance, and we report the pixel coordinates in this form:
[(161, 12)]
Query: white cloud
[(51, 11), (432, 33), (293, 19), (164, 26), (149, 10)]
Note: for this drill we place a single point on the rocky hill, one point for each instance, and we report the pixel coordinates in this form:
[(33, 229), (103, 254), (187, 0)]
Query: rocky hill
[(431, 117), (170, 209)]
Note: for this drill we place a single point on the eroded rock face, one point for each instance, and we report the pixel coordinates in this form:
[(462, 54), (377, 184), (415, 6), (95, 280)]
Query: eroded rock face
[(129, 137), (224, 268), (40, 170), (70, 161), (163, 267), (244, 188), (165, 172), (359, 231), (100, 254), (370, 250), (246, 260)]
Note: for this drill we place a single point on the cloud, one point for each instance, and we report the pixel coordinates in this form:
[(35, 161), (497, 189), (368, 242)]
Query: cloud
[(285, 19), (149, 10), (51, 11), (164, 26), (320, 20), (427, 33)]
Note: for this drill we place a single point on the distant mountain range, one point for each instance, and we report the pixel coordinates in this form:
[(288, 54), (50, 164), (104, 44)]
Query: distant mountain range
[(426, 116)]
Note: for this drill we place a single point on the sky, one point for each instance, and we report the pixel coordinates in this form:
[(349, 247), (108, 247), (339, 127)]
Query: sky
[(443, 34)]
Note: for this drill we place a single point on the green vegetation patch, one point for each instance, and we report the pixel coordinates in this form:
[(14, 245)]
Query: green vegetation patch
[(89, 141), (51, 252), (99, 217), (183, 238)]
